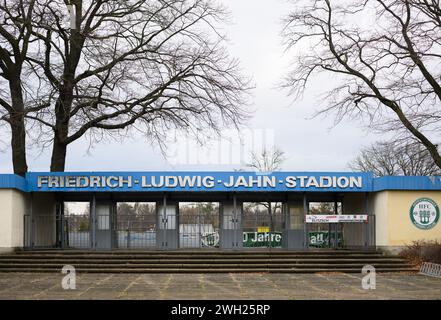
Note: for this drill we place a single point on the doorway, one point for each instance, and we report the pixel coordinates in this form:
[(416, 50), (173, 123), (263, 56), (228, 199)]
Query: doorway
[(263, 224), (325, 235), (198, 225), (135, 225), (76, 225)]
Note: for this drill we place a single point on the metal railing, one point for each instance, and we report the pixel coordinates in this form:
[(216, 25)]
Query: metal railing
[(261, 230), (194, 231), (41, 231), (135, 231), (76, 231), (342, 235), (199, 231)]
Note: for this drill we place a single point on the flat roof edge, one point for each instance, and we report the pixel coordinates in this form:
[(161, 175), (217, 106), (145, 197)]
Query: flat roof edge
[(423, 183), (373, 184), (13, 181)]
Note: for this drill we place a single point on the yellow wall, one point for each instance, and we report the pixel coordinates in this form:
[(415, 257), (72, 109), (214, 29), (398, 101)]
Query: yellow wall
[(379, 205), (401, 229), (14, 205)]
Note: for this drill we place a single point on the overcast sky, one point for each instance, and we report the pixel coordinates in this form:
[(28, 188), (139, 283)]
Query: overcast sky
[(309, 144)]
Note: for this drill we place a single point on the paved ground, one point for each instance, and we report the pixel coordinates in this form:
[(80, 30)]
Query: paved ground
[(218, 286)]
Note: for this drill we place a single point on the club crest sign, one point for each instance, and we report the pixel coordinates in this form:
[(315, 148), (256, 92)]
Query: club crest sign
[(424, 213)]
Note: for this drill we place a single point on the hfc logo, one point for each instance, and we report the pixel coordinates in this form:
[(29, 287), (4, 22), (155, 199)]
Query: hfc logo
[(424, 213)]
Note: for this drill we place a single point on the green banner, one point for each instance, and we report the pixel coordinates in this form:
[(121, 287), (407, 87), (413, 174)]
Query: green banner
[(320, 239), (262, 239)]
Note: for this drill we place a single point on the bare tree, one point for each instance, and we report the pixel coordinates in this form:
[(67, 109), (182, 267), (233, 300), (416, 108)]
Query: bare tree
[(386, 158), (384, 57), (144, 65), (17, 98), (267, 161)]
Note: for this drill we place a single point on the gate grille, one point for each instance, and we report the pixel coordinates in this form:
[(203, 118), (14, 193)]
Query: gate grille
[(135, 225), (199, 231), (261, 229), (135, 231), (348, 235), (77, 231)]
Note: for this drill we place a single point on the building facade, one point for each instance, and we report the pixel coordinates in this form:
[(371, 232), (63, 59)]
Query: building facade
[(217, 210)]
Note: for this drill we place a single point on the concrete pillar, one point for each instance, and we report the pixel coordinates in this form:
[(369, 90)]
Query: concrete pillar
[(44, 220), (13, 209)]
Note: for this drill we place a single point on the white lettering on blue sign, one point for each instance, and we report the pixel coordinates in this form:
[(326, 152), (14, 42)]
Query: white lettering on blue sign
[(222, 181), (324, 182)]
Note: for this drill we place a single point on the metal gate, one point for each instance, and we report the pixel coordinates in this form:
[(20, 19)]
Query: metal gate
[(348, 235), (42, 231), (325, 235), (76, 228), (359, 235), (263, 225), (135, 226), (231, 234), (167, 235), (64, 228), (105, 212), (199, 230)]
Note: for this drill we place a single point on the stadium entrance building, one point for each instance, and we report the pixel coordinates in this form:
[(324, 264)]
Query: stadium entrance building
[(302, 210)]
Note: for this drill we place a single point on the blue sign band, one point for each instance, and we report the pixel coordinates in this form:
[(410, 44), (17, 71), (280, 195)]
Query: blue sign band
[(198, 181), (219, 181)]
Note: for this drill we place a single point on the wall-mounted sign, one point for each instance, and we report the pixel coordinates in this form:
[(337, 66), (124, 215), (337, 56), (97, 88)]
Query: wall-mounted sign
[(320, 239), (424, 213), (210, 239), (198, 181), (335, 218), (262, 239)]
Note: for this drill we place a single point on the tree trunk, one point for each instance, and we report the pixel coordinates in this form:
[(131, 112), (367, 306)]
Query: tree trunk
[(63, 105), (58, 159), (18, 130), (61, 131)]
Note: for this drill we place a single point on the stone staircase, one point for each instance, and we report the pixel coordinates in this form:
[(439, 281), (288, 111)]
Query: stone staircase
[(201, 261)]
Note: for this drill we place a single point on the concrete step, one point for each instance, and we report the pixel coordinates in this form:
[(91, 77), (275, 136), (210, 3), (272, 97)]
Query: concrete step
[(199, 251), (200, 261), (135, 253), (195, 261), (193, 256), (212, 270), (202, 265)]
